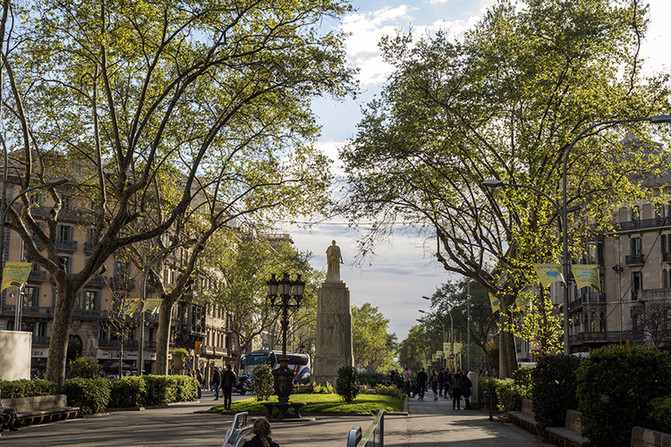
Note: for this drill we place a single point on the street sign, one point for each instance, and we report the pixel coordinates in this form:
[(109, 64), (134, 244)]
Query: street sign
[(451, 356)]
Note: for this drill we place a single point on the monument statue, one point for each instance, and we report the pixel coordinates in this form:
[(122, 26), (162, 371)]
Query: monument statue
[(333, 261)]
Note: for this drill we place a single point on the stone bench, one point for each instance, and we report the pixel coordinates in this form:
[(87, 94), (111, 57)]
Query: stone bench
[(279, 411), (525, 418), (644, 437), (39, 409), (570, 433)]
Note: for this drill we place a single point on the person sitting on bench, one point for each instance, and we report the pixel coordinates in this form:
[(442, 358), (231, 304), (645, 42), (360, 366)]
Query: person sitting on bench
[(14, 422)]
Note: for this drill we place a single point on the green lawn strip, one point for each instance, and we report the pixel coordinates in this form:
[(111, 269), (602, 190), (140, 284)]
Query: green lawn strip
[(324, 403)]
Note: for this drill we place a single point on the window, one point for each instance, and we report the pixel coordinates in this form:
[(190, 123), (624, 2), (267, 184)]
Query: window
[(67, 263), (32, 295), (65, 233), (636, 247), (68, 201), (10, 325), (41, 329), (91, 300), (636, 284), (665, 244), (635, 213), (665, 279)]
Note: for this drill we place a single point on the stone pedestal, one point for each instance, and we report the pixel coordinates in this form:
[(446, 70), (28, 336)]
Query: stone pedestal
[(333, 340)]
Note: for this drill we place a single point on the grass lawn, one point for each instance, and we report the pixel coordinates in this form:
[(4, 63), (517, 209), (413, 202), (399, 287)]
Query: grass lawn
[(324, 403)]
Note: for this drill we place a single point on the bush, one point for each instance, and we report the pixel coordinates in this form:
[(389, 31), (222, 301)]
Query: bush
[(347, 385), (390, 390), (12, 389), (485, 384), (262, 382), (159, 390), (660, 414), (372, 378), (554, 389), (90, 395), (326, 388), (186, 388), (510, 394), (85, 368), (615, 390), (128, 392), (522, 377)]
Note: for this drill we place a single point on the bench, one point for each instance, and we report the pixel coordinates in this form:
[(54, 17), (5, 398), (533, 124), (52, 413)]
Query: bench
[(240, 432), (644, 437), (570, 433), (282, 410), (39, 409), (525, 418)]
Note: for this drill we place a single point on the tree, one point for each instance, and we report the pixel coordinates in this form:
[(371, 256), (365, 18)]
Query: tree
[(240, 265), (421, 344), (159, 112), (373, 346), (504, 103), (654, 322)]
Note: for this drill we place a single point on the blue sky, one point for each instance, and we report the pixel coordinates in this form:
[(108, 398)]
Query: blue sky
[(404, 268)]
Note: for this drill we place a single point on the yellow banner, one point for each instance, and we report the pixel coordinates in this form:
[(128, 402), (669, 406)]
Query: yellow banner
[(457, 348), (586, 275), (152, 305), (496, 304), (130, 306), (522, 302), (447, 349), (15, 274), (548, 273), (439, 354)]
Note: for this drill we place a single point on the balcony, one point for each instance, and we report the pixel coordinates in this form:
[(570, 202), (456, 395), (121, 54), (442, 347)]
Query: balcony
[(590, 297), (98, 281), (37, 276), (634, 259), (67, 246), (657, 222), (119, 282), (654, 294), (36, 311), (41, 341), (114, 344), (88, 247), (87, 314), (666, 257), (606, 337)]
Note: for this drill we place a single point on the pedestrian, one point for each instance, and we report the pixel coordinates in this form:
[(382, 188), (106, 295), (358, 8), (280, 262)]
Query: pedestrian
[(456, 390), (407, 378), (441, 381), (449, 375), (216, 382), (466, 385), (227, 381), (261, 437), (199, 378), (422, 378), (434, 383), (13, 423)]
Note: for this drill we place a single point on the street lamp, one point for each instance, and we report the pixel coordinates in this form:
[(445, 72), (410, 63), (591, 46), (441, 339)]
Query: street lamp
[(3, 216), (290, 294)]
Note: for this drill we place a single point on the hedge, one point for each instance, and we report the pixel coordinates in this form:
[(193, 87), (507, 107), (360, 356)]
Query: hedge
[(26, 388), (616, 387), (90, 395), (554, 389), (128, 391)]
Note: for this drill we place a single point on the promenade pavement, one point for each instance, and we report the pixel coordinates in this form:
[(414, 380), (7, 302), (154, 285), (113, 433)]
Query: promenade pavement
[(429, 423)]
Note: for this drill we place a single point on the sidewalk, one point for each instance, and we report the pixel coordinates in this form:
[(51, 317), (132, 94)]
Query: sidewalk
[(430, 423)]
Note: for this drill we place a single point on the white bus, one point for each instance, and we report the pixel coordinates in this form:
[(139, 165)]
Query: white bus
[(298, 363)]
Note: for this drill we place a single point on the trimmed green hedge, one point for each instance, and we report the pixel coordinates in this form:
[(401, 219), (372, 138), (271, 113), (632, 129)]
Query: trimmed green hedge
[(554, 389), (128, 392), (661, 414), (615, 389), (90, 395), (135, 391), (26, 388)]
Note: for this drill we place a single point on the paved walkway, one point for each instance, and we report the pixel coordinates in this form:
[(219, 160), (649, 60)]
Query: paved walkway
[(430, 423)]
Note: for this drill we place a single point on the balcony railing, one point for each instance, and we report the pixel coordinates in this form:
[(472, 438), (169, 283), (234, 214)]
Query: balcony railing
[(612, 336), (97, 281), (643, 223), (120, 282), (590, 297), (634, 259), (666, 257), (65, 245), (40, 341), (37, 311), (113, 343), (88, 247), (654, 294), (37, 276)]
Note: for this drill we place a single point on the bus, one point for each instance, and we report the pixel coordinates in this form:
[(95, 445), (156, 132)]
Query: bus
[(298, 363)]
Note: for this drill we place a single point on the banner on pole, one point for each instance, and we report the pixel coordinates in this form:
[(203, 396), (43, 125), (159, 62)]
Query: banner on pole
[(15, 274), (152, 305), (586, 275), (495, 302), (548, 273)]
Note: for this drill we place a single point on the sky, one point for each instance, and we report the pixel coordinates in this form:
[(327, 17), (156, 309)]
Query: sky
[(404, 268)]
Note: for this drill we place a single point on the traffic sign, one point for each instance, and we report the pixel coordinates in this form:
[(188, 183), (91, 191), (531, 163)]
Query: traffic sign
[(451, 356)]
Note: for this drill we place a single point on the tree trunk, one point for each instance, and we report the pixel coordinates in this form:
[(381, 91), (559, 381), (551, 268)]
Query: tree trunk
[(121, 343), (507, 355), (60, 331), (163, 337)]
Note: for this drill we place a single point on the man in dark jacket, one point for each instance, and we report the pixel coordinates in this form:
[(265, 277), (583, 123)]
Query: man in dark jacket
[(13, 421), (216, 382), (422, 378), (227, 381)]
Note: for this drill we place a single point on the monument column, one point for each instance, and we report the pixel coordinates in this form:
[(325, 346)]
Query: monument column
[(333, 338)]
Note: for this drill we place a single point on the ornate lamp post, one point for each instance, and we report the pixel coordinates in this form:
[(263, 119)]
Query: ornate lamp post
[(290, 294)]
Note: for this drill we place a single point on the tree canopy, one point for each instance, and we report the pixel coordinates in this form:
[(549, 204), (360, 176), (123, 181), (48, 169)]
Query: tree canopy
[(504, 102), (373, 346)]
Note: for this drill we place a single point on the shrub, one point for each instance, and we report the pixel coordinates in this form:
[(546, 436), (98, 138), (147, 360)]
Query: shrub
[(372, 378), (128, 392), (159, 390), (326, 388), (90, 395), (12, 389), (522, 377), (510, 394), (185, 388), (347, 383), (262, 382), (660, 414), (85, 368), (615, 390), (390, 390), (485, 384), (554, 389)]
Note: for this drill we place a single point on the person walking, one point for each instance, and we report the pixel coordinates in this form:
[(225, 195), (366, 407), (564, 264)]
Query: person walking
[(433, 380), (466, 385), (227, 381), (441, 381), (407, 378), (199, 378), (216, 382), (261, 437), (456, 390), (422, 378)]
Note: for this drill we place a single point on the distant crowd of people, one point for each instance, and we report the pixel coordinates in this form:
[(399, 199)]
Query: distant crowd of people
[(445, 383)]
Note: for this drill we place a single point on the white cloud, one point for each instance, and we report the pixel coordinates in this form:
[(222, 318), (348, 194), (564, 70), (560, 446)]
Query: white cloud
[(655, 48)]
